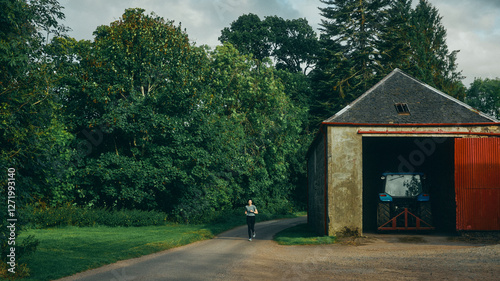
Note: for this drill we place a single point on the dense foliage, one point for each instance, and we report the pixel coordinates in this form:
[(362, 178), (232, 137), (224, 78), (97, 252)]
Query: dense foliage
[(140, 118), (70, 215), (421, 47), (291, 44), (30, 123), (161, 124), (484, 95)]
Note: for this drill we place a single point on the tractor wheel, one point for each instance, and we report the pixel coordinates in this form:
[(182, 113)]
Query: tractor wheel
[(383, 213), (426, 213)]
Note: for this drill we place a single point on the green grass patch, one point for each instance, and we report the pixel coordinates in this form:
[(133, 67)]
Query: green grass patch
[(301, 234), (64, 251), (68, 250)]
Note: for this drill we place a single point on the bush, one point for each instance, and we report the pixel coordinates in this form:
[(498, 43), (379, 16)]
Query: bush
[(24, 251), (69, 215), (23, 248), (22, 271)]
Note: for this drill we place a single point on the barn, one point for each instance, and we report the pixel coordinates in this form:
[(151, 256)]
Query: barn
[(403, 125)]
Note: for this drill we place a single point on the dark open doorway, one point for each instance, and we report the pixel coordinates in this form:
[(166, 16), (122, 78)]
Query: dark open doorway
[(432, 156)]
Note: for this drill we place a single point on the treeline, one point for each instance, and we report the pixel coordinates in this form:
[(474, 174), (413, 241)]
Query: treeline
[(142, 118)]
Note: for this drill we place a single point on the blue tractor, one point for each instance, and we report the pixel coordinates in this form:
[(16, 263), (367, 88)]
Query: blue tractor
[(404, 203)]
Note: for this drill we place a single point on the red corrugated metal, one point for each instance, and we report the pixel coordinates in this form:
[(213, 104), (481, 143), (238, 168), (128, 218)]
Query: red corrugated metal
[(477, 183)]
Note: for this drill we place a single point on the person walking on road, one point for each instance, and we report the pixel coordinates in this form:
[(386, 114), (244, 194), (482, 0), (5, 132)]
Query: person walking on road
[(251, 211)]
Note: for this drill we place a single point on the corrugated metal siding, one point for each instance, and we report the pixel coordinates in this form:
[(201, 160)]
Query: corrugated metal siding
[(477, 183)]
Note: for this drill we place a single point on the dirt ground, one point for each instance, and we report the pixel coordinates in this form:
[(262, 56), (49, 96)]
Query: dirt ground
[(230, 256), (381, 257)]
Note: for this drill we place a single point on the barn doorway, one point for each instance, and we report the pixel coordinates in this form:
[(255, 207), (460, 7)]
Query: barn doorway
[(429, 155)]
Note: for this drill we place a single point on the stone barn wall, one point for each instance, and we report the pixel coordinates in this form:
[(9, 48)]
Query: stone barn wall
[(345, 180)]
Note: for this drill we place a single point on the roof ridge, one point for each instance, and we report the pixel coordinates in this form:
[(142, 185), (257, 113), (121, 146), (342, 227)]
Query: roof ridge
[(343, 110), (445, 95), (391, 74)]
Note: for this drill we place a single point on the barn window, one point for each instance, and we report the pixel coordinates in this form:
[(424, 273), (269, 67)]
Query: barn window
[(402, 108)]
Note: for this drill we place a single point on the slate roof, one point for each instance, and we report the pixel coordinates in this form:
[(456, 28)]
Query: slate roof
[(425, 103)]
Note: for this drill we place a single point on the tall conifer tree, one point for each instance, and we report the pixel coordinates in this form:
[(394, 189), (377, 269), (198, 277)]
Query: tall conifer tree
[(415, 41), (350, 57), (396, 42), (431, 61), (362, 41)]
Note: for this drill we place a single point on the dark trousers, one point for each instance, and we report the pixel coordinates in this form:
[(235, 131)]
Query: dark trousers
[(251, 225)]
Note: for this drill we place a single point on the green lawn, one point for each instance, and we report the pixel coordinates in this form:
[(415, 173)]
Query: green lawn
[(301, 234), (65, 251), (68, 250)]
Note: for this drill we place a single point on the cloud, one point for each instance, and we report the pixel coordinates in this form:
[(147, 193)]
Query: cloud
[(224, 12), (473, 27)]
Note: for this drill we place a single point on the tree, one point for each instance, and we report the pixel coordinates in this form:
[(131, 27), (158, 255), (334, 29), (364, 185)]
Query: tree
[(349, 60), (30, 123), (291, 44), (141, 87), (484, 94), (266, 122), (431, 61), (249, 35), (294, 43), (30, 120), (350, 34), (365, 40), (176, 127), (415, 41), (396, 37)]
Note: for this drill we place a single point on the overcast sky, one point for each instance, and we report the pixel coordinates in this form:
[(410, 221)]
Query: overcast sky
[(473, 26)]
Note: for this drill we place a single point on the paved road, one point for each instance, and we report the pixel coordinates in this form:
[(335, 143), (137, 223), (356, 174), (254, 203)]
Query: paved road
[(213, 259)]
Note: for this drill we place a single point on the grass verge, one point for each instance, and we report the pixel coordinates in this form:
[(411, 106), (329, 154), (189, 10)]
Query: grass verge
[(68, 250), (301, 234)]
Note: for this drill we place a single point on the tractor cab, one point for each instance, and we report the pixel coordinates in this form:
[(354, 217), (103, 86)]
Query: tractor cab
[(403, 185)]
